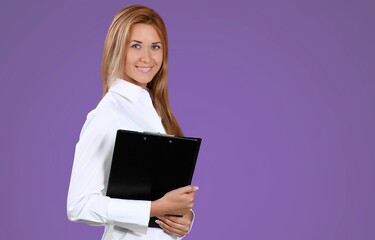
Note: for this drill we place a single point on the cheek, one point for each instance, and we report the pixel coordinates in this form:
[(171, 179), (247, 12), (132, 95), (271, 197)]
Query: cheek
[(131, 56), (160, 63), (159, 59)]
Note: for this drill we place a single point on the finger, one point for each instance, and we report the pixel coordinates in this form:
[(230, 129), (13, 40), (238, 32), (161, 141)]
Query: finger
[(179, 232), (172, 233), (182, 220), (188, 189), (177, 223), (171, 222)]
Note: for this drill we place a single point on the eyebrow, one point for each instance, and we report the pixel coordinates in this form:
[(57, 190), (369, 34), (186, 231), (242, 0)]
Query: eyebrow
[(141, 42)]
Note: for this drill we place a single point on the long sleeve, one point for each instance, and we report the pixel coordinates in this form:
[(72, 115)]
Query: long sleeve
[(86, 197)]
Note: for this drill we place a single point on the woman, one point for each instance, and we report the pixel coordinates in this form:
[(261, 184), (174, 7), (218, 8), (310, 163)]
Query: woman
[(134, 78)]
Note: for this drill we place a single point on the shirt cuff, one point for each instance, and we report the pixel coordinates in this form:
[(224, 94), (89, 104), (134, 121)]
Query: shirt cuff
[(130, 214)]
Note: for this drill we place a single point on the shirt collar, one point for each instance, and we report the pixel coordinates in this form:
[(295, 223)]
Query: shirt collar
[(128, 90)]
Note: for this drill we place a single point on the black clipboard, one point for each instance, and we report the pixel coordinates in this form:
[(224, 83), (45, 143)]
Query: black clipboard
[(145, 165)]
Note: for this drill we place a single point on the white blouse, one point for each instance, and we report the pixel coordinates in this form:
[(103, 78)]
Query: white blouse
[(125, 106)]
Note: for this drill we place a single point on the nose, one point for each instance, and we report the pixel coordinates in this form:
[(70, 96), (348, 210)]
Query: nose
[(146, 56)]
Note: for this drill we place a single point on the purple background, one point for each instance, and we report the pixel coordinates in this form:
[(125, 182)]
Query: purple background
[(282, 93)]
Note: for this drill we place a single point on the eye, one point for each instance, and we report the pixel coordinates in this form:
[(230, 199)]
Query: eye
[(155, 47), (136, 45)]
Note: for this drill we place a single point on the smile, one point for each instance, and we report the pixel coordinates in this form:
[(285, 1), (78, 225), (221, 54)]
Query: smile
[(144, 69)]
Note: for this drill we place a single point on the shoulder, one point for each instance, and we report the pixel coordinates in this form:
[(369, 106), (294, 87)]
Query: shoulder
[(101, 120), (107, 110)]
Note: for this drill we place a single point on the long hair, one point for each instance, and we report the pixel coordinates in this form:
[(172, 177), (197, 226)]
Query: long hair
[(113, 61)]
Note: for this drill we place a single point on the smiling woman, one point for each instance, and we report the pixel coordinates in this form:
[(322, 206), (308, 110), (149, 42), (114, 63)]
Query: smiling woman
[(134, 78), (144, 56)]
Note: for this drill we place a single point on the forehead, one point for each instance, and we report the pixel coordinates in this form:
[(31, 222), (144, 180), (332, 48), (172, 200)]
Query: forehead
[(144, 33)]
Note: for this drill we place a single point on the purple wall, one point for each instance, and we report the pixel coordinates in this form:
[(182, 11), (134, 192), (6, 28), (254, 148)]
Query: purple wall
[(282, 93)]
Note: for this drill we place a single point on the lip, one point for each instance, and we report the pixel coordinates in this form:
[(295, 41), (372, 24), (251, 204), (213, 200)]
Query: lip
[(144, 69)]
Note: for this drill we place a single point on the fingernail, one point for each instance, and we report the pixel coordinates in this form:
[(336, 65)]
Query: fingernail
[(157, 221), (196, 188)]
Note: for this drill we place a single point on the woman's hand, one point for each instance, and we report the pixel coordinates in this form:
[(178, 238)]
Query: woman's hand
[(175, 225), (176, 202)]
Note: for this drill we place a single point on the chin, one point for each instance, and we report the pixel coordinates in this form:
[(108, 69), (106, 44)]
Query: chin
[(145, 81)]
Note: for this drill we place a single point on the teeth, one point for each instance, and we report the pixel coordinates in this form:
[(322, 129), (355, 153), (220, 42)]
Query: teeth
[(144, 69)]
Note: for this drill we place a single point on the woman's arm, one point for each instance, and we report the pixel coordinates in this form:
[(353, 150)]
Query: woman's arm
[(86, 197)]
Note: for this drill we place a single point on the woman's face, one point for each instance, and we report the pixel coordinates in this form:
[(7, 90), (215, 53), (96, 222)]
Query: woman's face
[(144, 54)]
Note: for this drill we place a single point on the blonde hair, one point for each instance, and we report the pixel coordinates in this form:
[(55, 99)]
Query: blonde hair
[(113, 61)]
